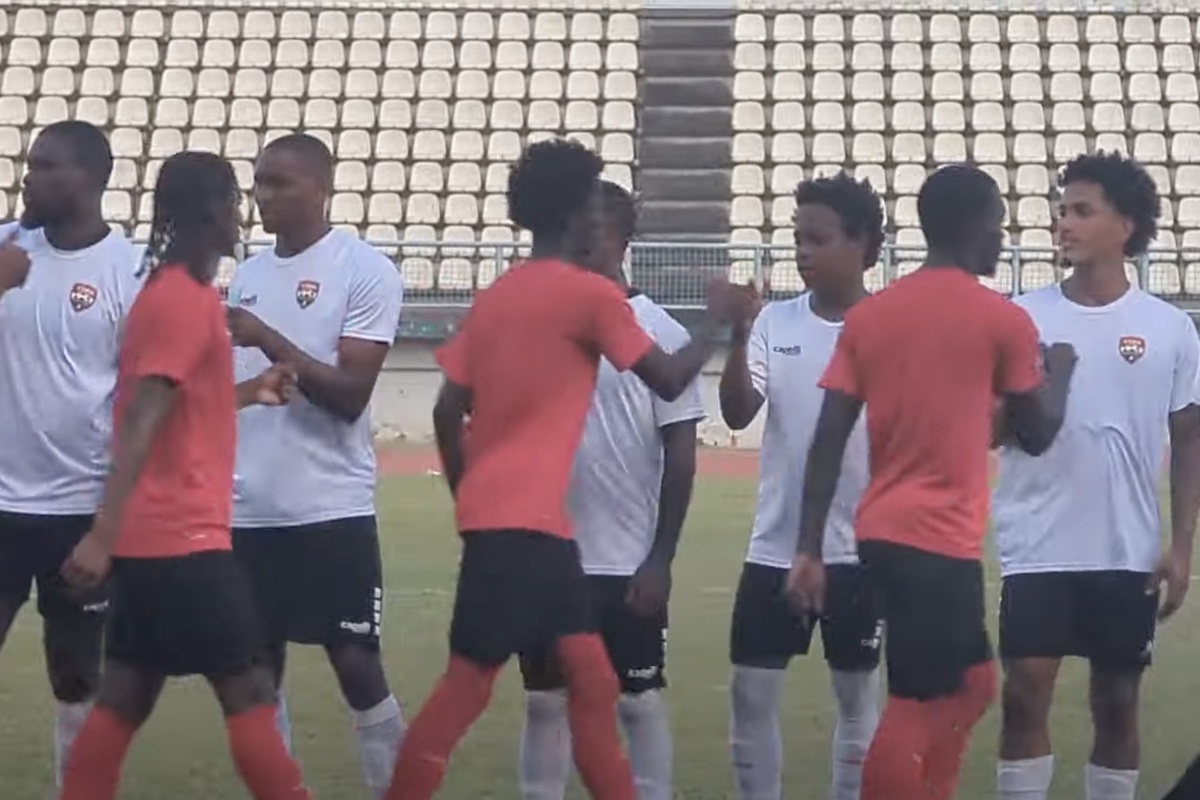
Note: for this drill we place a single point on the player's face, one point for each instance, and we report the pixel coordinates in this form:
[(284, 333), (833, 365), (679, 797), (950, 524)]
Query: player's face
[(610, 256), (1089, 229), (53, 181), (825, 255), (228, 218), (585, 234), (285, 191), (990, 237)]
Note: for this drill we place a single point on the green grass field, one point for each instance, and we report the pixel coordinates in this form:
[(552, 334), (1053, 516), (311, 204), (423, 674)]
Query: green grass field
[(181, 754)]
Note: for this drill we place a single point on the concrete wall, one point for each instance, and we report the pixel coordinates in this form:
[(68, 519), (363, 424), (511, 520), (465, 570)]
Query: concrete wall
[(404, 398)]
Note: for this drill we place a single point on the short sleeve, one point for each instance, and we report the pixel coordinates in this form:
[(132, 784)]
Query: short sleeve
[(1018, 352), (756, 353), (170, 329), (689, 406), (1185, 381), (844, 371), (613, 329), (375, 297), (452, 357)]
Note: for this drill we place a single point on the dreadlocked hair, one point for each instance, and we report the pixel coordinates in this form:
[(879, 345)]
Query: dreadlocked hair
[(191, 186)]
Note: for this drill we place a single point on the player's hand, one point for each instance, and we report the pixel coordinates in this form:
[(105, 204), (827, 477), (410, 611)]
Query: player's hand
[(649, 589), (89, 563), (1059, 358), (806, 586), (1174, 569), (752, 304), (275, 386), (14, 262), (726, 302), (245, 329)]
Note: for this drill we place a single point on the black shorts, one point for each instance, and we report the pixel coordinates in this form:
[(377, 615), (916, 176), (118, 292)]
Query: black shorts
[(519, 591), (933, 608), (316, 584), (767, 633), (33, 548), (185, 615), (1106, 617), (636, 645)]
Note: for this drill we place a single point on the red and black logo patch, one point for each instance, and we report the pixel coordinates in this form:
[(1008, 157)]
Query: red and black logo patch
[(82, 297), (306, 293), (1131, 348)]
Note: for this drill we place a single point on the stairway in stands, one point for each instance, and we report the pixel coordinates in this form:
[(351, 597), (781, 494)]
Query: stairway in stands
[(684, 132)]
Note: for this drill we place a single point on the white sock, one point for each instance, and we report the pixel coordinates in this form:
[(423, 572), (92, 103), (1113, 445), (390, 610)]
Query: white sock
[(379, 731), (651, 755), (754, 738), (545, 756), (1027, 779), (1102, 783), (283, 721), (67, 722), (857, 699)]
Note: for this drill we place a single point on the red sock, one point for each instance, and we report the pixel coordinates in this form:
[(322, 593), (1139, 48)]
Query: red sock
[(953, 719), (894, 768), (592, 694), (93, 770), (261, 757), (458, 699)]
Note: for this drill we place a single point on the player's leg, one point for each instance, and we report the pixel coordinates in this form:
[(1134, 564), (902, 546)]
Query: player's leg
[(262, 554), (1188, 785), (940, 676), (559, 611), (72, 629), (347, 553), (1119, 626), (852, 634), (637, 647), (484, 634), (131, 682), (764, 635), (1037, 613), (17, 570), (544, 756)]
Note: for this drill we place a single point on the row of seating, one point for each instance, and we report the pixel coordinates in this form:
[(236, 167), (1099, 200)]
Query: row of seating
[(1017, 28), (328, 24)]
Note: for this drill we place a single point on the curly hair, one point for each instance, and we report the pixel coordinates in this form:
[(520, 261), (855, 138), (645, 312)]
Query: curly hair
[(856, 204), (550, 184), (1127, 186)]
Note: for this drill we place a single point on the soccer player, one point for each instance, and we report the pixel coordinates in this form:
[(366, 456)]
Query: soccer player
[(524, 366), (66, 285), (838, 233), (181, 604), (1078, 528), (927, 356), (629, 494), (304, 497)]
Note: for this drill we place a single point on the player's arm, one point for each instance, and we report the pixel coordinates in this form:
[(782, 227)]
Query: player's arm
[(273, 387), (14, 261), (744, 379), (675, 495), (343, 388), (1184, 429), (453, 405), (1032, 381), (839, 414)]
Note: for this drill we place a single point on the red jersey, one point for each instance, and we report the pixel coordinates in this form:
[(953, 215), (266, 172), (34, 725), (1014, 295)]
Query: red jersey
[(928, 355), (183, 499), (529, 350)]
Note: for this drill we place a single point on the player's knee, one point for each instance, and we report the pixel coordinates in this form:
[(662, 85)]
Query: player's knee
[(73, 669), (1026, 698), (545, 706), (359, 670), (1114, 704), (242, 691), (752, 693)]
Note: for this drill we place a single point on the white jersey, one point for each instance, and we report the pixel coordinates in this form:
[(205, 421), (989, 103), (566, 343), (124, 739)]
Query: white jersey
[(1090, 502), (60, 335), (788, 350), (615, 483), (299, 464)]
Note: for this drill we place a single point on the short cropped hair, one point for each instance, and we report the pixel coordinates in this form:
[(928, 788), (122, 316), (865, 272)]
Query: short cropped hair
[(551, 183), (1127, 186), (89, 146), (856, 204), (951, 200), (311, 149)]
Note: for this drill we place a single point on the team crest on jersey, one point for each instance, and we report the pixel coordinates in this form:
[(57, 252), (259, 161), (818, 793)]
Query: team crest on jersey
[(82, 297), (306, 293), (1131, 348)]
